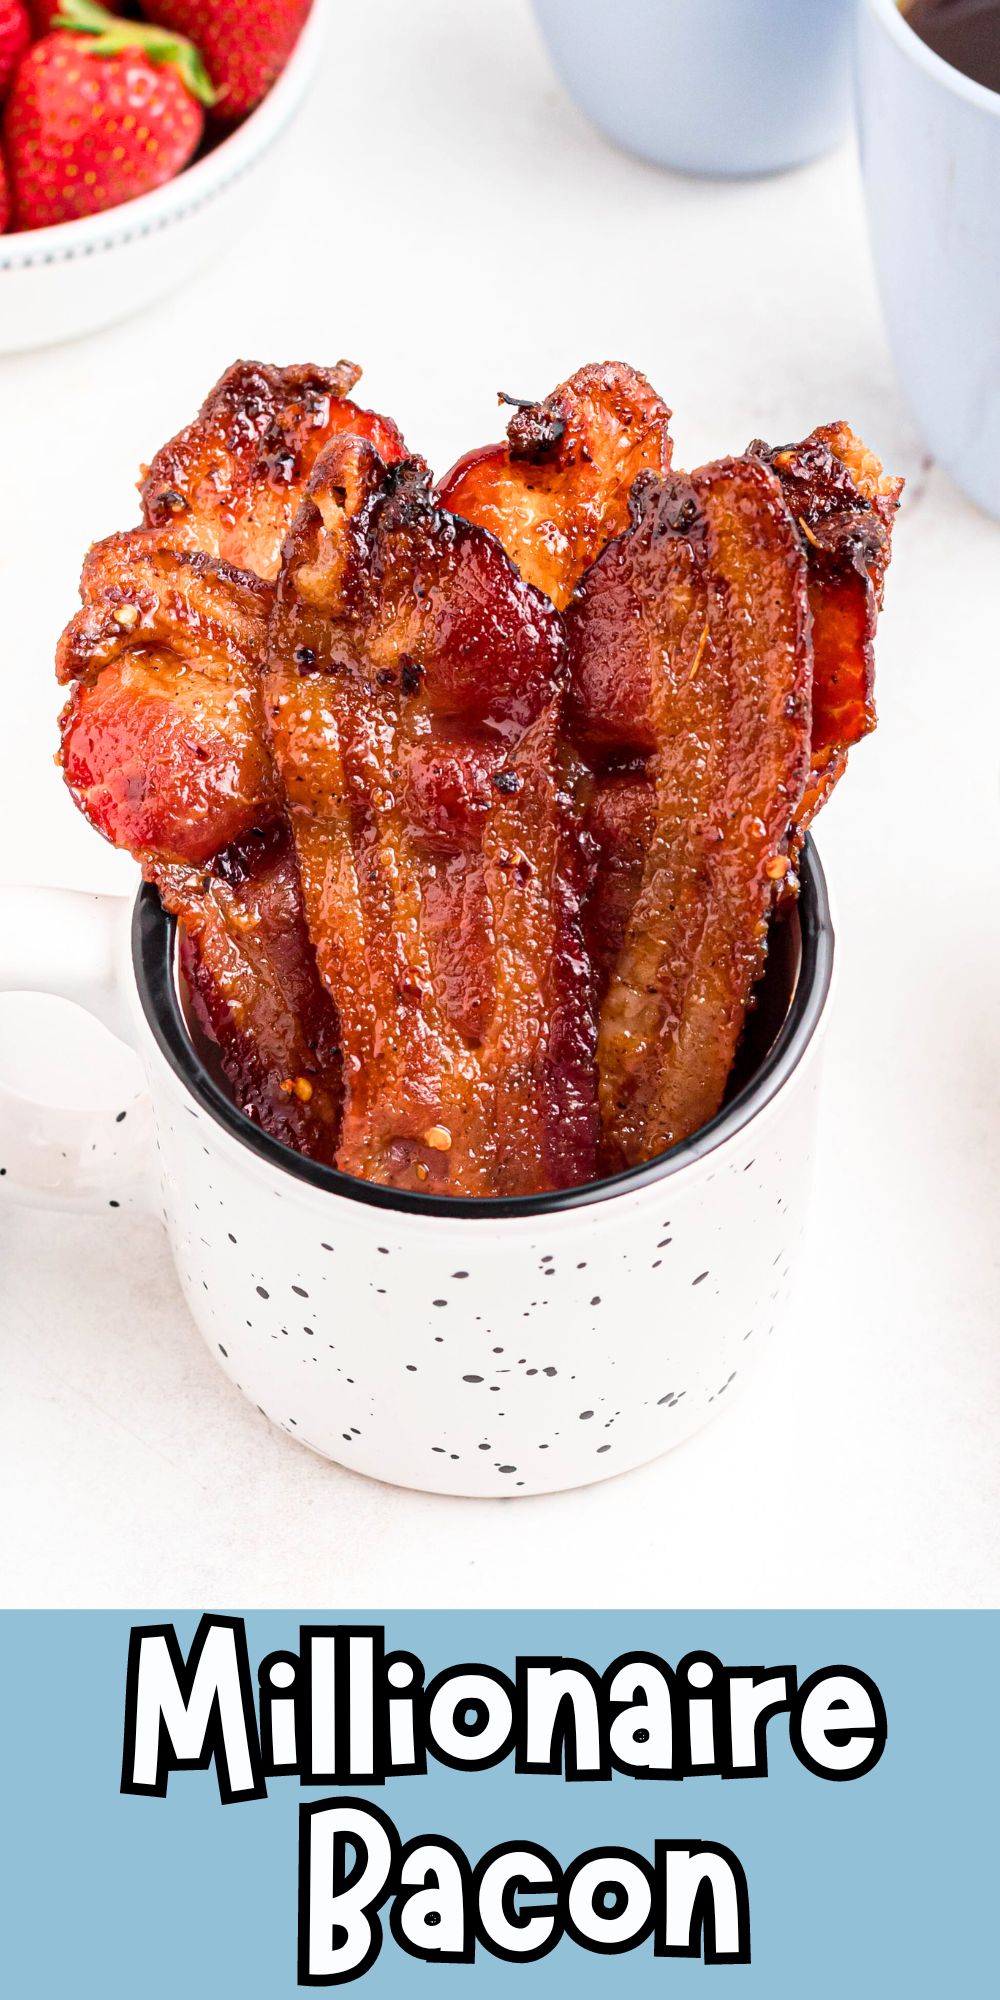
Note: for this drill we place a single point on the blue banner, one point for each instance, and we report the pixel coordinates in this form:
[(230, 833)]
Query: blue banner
[(866, 1856)]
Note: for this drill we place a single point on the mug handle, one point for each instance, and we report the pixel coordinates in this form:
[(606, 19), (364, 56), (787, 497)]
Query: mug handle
[(77, 947)]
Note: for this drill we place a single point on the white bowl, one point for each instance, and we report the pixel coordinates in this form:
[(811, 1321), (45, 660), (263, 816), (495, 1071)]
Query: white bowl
[(68, 280)]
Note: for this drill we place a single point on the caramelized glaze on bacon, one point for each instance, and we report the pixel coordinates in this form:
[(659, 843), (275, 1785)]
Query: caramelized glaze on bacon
[(351, 729), (165, 748), (230, 483), (689, 648), (844, 505), (414, 694), (164, 745), (254, 988), (619, 821), (558, 490)]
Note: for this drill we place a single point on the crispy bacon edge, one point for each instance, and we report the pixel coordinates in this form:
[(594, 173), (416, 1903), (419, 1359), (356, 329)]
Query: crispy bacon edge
[(230, 482), (844, 505), (558, 490)]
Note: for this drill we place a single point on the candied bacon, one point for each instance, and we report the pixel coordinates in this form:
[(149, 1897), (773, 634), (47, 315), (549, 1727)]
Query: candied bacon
[(165, 748), (164, 745), (230, 482), (163, 739), (414, 695), (844, 505), (558, 490), (366, 786), (689, 649), (254, 988), (619, 820)]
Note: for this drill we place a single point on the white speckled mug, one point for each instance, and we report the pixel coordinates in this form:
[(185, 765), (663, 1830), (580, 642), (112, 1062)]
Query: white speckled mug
[(467, 1347)]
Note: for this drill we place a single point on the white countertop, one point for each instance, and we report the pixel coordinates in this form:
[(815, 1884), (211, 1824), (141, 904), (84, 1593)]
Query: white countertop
[(450, 221)]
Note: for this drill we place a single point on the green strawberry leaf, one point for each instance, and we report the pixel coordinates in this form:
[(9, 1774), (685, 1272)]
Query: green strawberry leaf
[(110, 36)]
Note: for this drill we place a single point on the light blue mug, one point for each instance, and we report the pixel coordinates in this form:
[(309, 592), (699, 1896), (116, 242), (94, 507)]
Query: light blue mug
[(708, 86), (930, 144)]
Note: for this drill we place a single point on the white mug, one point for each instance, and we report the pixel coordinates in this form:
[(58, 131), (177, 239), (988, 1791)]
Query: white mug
[(930, 150), (481, 1347), (708, 86)]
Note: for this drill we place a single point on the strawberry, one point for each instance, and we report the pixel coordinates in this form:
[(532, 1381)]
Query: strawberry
[(100, 111), (4, 198), (15, 34), (245, 43)]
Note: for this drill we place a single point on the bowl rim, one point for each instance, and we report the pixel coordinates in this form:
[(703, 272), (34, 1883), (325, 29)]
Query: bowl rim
[(154, 958), (893, 17), (192, 188)]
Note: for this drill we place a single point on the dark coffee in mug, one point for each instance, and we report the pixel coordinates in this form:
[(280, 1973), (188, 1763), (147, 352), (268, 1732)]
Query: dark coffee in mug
[(965, 33)]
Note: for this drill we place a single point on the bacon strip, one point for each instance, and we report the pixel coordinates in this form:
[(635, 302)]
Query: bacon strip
[(619, 817), (164, 745), (558, 490), (230, 483), (689, 651), (165, 748), (254, 989), (414, 694), (844, 505), (164, 741)]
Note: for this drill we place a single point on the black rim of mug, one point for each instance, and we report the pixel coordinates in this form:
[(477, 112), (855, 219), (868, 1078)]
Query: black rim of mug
[(154, 959)]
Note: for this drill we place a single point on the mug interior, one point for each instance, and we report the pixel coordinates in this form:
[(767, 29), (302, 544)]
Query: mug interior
[(785, 1012), (894, 15)]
